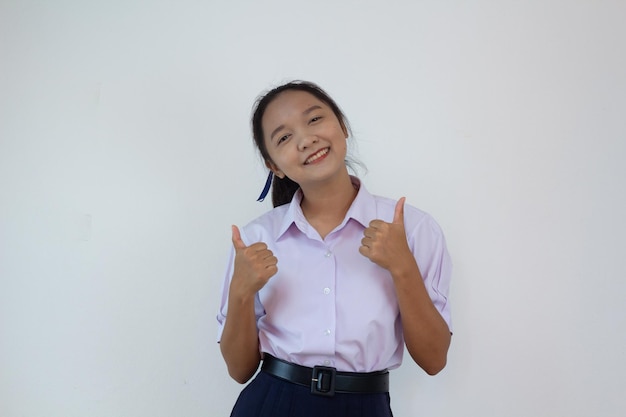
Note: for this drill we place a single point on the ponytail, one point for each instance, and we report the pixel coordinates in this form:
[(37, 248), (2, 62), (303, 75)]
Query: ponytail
[(283, 190)]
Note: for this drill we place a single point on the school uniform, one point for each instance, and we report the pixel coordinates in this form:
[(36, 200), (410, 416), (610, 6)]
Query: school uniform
[(330, 307)]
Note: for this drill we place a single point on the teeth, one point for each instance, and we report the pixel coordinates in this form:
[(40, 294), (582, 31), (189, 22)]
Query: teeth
[(317, 155)]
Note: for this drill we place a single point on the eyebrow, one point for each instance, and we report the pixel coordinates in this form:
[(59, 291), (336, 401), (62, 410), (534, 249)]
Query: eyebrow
[(311, 109), (304, 113)]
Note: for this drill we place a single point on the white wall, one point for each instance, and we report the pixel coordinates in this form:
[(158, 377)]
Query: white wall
[(125, 155)]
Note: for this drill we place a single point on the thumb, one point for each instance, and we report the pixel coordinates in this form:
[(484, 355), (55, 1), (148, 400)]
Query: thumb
[(237, 242), (398, 214)]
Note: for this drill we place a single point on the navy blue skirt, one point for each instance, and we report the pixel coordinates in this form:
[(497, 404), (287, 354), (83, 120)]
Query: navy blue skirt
[(269, 396)]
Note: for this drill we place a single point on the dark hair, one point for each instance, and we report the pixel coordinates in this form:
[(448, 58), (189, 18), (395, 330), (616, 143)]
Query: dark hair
[(283, 189)]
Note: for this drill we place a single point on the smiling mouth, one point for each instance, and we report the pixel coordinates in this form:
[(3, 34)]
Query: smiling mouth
[(317, 155)]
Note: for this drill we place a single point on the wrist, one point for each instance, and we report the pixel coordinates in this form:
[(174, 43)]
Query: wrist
[(239, 295), (406, 270)]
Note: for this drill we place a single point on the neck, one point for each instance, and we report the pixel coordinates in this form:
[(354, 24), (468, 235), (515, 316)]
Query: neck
[(325, 206)]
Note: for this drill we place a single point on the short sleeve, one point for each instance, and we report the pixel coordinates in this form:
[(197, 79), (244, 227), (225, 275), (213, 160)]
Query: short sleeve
[(429, 248)]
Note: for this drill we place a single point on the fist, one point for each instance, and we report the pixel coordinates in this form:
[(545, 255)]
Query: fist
[(385, 243), (254, 265)]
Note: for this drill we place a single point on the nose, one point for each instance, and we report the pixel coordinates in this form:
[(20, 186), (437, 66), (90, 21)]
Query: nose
[(306, 141)]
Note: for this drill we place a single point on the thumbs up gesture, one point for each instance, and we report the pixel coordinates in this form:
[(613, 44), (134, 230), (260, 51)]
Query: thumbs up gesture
[(254, 265), (385, 243)]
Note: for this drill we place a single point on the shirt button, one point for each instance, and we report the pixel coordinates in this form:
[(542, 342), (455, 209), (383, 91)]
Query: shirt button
[(327, 332), (328, 254), (326, 362), (326, 290)]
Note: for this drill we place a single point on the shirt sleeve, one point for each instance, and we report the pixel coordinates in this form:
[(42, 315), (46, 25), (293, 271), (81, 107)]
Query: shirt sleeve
[(429, 248), (223, 308)]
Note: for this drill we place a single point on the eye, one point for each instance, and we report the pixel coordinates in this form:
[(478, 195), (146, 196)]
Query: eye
[(282, 139), (315, 119)]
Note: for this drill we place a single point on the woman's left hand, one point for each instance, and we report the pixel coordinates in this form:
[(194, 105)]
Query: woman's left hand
[(385, 243), (426, 334)]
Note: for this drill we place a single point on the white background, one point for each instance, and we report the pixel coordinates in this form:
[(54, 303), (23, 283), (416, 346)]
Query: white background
[(125, 156)]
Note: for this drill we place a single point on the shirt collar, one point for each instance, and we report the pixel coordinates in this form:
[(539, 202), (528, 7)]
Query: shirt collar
[(363, 210)]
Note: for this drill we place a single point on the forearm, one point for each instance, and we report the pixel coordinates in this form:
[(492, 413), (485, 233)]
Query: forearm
[(426, 333), (240, 341)]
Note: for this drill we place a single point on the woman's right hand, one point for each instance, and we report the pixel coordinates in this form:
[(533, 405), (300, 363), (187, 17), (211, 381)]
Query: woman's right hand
[(254, 266)]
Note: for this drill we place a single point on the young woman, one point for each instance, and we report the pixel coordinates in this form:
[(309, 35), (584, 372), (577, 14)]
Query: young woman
[(328, 287)]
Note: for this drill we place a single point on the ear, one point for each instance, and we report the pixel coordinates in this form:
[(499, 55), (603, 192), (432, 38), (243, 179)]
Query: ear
[(272, 167)]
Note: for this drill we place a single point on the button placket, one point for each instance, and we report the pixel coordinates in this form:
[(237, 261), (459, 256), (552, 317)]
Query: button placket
[(327, 331)]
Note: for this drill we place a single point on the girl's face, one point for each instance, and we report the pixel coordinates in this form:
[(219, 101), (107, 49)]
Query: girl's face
[(304, 138)]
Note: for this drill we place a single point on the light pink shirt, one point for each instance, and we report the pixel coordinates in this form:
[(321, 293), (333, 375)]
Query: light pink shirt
[(328, 304)]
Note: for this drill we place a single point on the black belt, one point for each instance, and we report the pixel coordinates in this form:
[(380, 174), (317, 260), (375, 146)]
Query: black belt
[(327, 381)]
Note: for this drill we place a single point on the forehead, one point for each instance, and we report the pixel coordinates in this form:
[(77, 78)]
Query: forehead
[(291, 103)]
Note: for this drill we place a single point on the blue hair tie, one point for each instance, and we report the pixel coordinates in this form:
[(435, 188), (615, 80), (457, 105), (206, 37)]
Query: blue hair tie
[(266, 189)]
